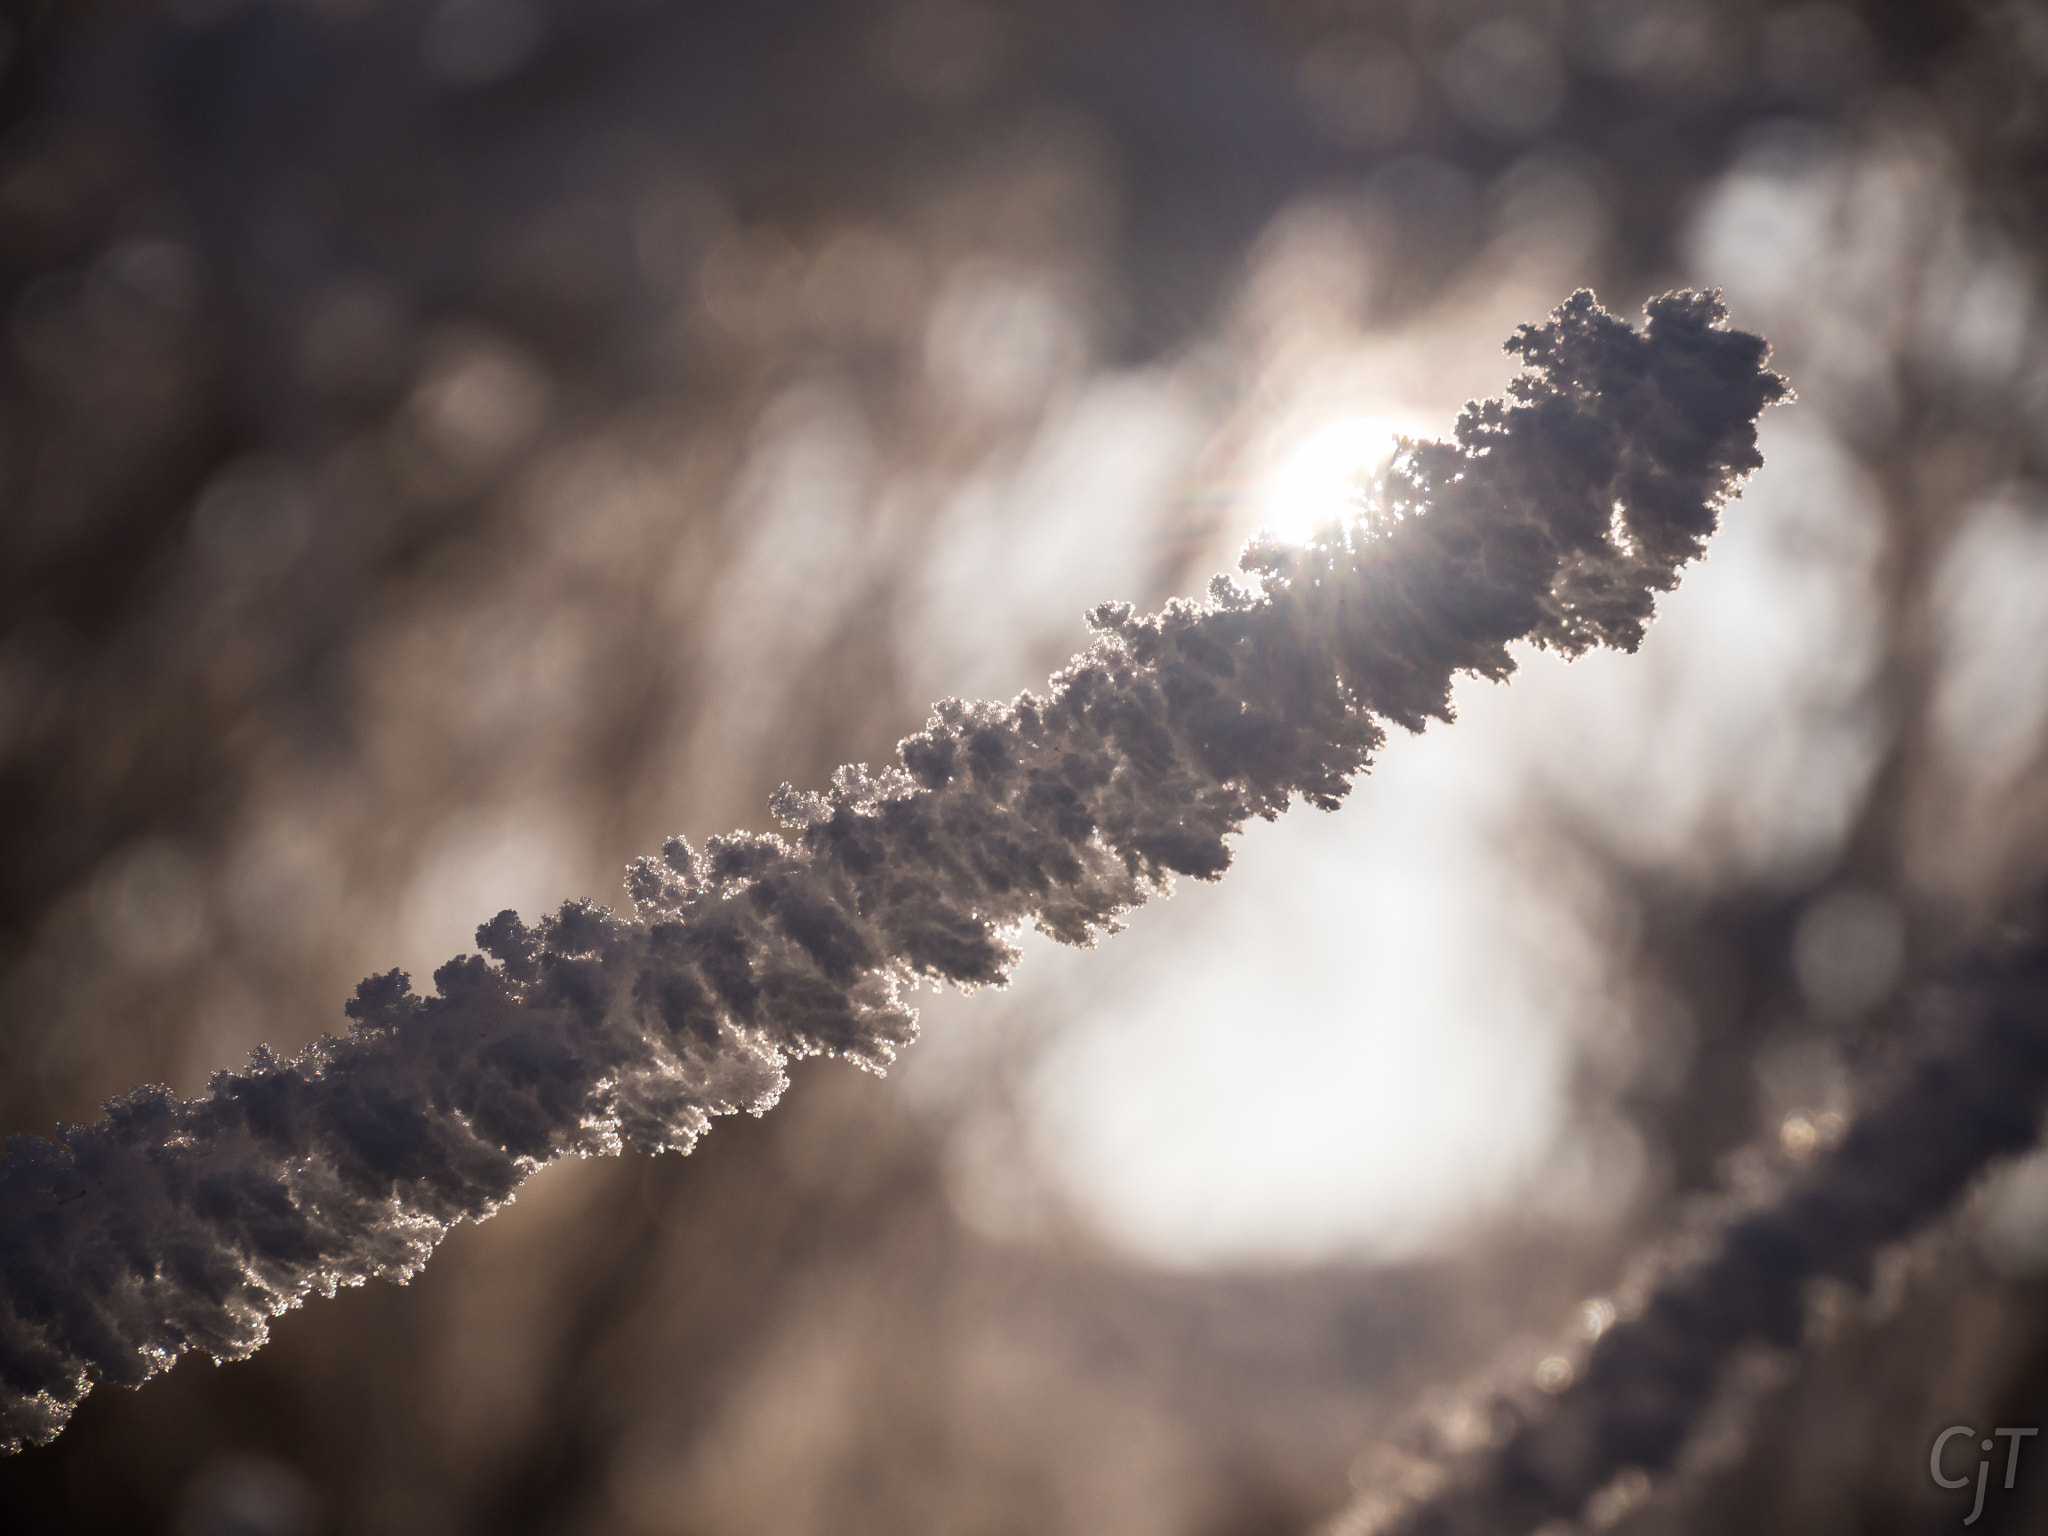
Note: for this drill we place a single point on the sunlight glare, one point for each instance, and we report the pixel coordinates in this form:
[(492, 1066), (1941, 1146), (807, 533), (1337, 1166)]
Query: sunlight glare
[(1326, 475)]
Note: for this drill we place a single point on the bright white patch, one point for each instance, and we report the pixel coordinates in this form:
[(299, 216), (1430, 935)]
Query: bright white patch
[(1325, 477), (1332, 1052), (1993, 697)]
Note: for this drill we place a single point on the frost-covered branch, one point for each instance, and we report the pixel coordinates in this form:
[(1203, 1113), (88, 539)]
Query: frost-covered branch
[(1555, 516), (1968, 1090)]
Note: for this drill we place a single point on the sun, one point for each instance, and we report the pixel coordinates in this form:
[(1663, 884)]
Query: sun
[(1326, 474)]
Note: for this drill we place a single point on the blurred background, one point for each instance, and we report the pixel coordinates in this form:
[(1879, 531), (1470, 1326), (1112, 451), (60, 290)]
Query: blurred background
[(447, 446)]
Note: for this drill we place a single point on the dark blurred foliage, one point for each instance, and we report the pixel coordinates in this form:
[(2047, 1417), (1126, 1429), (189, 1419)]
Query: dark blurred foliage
[(376, 383)]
